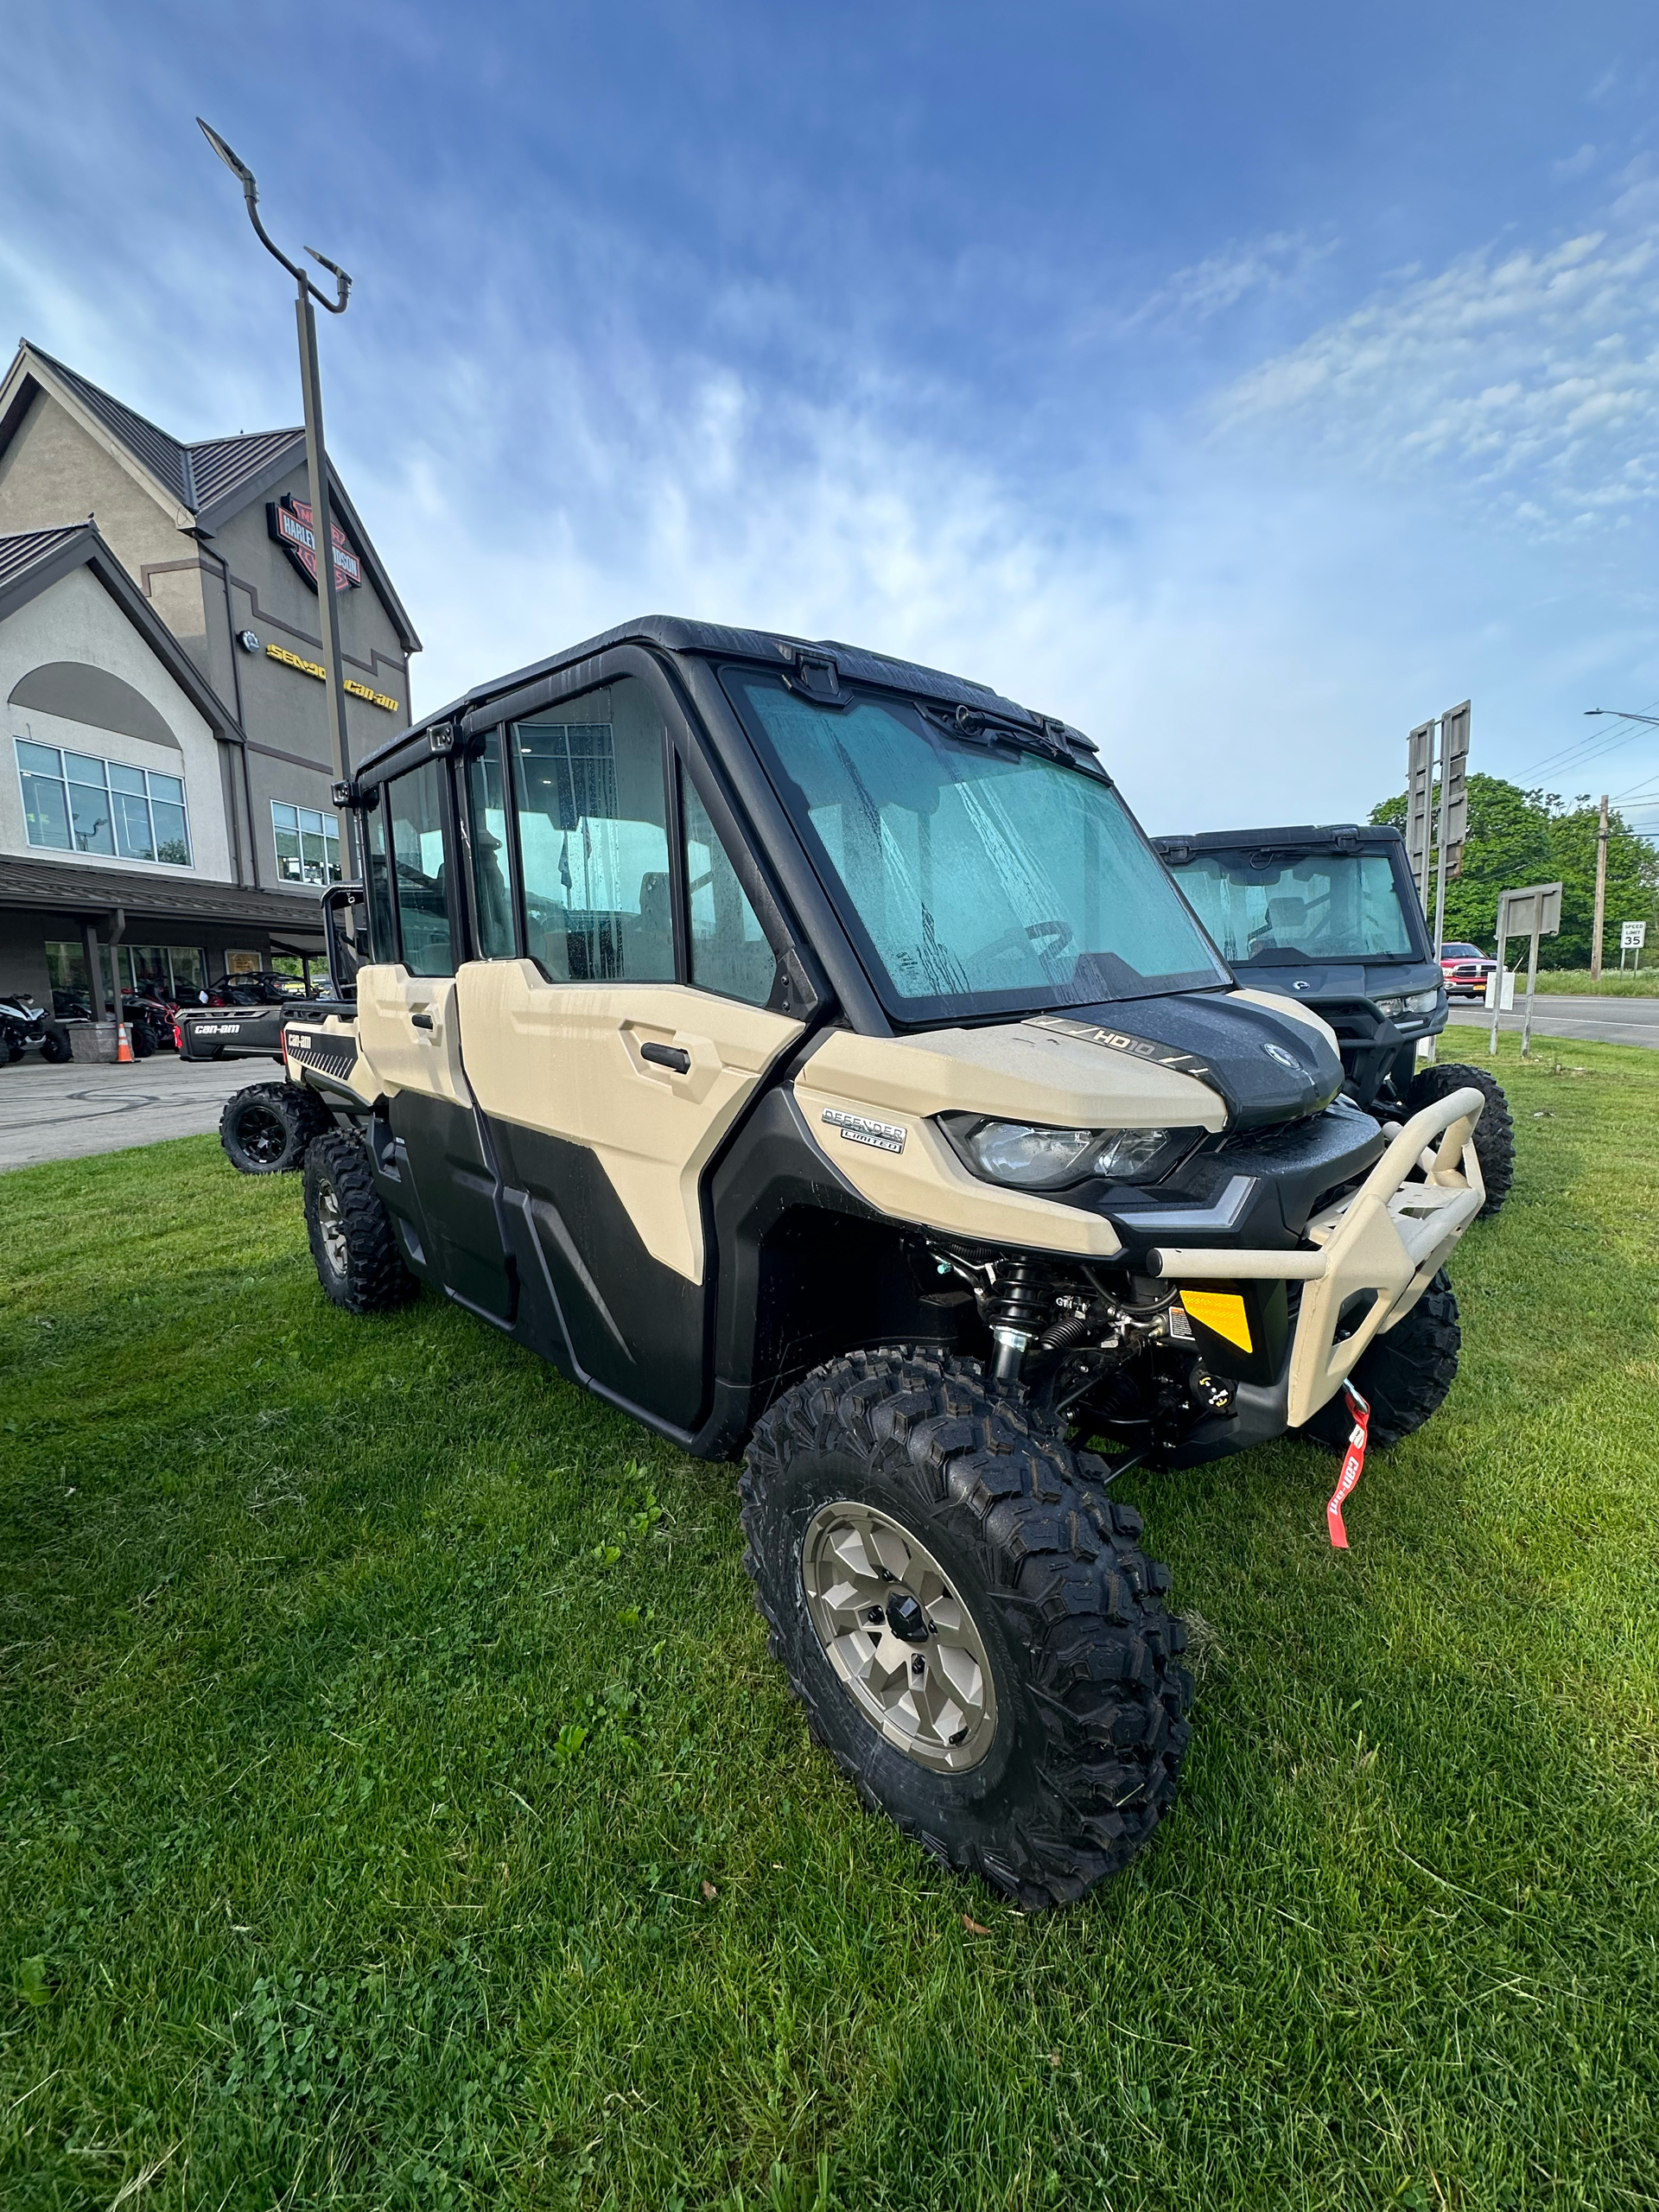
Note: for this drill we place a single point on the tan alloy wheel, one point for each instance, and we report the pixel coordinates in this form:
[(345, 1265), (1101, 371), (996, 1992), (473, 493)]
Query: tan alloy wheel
[(899, 1636), (331, 1228)]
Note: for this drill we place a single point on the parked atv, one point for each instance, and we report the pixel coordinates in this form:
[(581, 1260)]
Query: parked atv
[(23, 1028), (1331, 917), (807, 1053)]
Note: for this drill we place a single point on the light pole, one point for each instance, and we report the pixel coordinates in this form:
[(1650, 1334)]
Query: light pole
[(322, 514)]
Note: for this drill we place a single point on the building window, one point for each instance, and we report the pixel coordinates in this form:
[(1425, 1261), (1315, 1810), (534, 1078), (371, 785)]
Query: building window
[(177, 971), (307, 844), (74, 803)]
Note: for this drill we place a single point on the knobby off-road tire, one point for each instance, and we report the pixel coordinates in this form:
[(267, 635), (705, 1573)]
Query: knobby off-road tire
[(1076, 1739), (353, 1241), (265, 1129), (1403, 1375), (1494, 1132)]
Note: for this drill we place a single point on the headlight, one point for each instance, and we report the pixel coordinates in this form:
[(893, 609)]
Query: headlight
[(1422, 1001), (1038, 1158)]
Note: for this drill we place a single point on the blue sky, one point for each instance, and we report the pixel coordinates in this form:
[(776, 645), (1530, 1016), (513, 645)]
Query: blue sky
[(1244, 384)]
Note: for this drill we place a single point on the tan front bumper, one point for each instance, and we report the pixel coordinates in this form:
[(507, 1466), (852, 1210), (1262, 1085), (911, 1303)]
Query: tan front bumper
[(1390, 1237)]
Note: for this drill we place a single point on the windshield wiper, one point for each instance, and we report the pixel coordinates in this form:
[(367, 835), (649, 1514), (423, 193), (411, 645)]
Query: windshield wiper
[(1044, 734)]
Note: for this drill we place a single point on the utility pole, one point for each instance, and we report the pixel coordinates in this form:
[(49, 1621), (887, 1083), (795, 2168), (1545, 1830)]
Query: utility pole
[(1601, 894), (322, 517)]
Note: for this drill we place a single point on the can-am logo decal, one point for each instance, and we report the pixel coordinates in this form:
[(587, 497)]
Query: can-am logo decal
[(1285, 1059), (290, 524), (858, 1128)]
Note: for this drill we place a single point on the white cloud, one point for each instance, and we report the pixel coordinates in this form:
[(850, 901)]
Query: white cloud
[(1220, 280), (1533, 376)]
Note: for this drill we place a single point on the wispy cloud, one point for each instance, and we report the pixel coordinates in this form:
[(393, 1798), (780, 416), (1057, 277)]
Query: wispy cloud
[(1221, 280), (1533, 375)]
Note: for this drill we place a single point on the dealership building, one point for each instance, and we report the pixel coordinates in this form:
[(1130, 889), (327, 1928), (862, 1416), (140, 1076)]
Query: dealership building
[(166, 779)]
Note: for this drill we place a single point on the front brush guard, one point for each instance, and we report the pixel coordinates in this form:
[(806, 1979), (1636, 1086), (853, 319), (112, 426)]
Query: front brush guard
[(1391, 1237)]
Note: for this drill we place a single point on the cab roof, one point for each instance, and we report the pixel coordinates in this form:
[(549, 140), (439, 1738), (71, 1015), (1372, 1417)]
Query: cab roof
[(675, 633)]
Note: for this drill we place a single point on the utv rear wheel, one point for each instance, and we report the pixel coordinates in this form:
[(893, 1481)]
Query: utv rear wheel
[(1494, 1132), (265, 1129), (968, 1618), (1402, 1375), (353, 1241)]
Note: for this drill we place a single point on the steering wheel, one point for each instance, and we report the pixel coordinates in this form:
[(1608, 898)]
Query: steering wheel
[(1015, 940)]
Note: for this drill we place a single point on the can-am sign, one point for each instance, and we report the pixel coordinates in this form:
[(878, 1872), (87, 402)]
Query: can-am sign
[(290, 525)]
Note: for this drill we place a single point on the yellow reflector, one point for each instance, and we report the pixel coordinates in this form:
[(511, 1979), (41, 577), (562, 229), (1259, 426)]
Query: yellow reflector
[(1221, 1311)]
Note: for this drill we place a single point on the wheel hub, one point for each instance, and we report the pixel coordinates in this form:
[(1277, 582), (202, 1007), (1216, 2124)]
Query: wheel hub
[(330, 1226), (898, 1635)]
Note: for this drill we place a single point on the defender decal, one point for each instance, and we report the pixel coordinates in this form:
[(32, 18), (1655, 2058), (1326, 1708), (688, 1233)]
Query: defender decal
[(858, 1128)]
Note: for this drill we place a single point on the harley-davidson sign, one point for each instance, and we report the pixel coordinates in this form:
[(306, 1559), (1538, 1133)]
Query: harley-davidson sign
[(291, 527)]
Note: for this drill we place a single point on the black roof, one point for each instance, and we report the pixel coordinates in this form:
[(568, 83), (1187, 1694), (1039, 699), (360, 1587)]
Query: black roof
[(676, 634), (1310, 836), (92, 888)]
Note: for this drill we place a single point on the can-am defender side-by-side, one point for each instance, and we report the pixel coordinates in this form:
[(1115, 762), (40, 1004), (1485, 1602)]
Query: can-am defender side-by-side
[(807, 1053), (1331, 917)]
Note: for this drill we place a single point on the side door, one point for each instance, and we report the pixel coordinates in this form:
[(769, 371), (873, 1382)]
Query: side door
[(407, 1027), (623, 1030)]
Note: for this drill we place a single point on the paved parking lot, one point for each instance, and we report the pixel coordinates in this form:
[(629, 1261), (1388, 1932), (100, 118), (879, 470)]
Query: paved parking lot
[(1609, 1022), (66, 1113)]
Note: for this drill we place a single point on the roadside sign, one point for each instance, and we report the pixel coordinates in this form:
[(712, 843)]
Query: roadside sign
[(1632, 936), (1536, 911), (1532, 912)]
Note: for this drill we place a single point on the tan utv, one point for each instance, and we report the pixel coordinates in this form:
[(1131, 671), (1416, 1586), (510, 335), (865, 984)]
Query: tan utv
[(807, 1053)]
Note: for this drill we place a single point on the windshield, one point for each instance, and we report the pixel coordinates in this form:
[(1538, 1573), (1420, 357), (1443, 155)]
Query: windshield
[(1280, 908), (975, 878)]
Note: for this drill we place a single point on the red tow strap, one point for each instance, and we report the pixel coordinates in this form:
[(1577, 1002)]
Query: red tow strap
[(1353, 1466)]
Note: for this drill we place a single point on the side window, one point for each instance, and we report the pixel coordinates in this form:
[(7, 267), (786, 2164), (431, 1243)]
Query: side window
[(593, 838), (729, 952), (383, 933), (415, 805), (486, 830)]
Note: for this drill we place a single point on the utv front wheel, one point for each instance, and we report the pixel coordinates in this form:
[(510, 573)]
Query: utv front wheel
[(1494, 1132), (1402, 1373), (265, 1129), (353, 1240), (976, 1636)]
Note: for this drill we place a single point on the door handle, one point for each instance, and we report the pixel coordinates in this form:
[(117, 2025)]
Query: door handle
[(667, 1056), (420, 1020)]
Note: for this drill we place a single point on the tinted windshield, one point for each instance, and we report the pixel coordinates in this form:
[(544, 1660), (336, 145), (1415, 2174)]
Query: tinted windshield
[(1283, 906), (974, 878)]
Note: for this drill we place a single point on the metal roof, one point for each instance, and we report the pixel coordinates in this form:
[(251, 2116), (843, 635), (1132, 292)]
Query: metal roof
[(679, 634), (22, 550), (80, 887)]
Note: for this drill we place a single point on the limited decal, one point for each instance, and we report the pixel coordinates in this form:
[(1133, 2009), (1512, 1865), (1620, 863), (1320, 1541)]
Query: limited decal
[(1137, 1048), (859, 1129)]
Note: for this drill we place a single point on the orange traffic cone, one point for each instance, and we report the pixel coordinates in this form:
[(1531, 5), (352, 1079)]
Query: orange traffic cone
[(123, 1045)]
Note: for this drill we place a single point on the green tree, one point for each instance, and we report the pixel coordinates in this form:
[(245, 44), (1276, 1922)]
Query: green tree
[(1518, 837)]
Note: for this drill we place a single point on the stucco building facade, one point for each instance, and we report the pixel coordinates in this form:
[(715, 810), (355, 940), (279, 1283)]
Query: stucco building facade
[(167, 776)]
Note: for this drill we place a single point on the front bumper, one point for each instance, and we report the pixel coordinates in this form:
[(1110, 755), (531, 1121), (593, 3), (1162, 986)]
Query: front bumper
[(1388, 1239)]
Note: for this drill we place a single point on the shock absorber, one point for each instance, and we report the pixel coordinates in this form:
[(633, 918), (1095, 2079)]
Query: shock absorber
[(1018, 1307)]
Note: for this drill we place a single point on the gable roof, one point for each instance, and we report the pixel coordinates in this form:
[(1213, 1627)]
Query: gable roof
[(32, 561), (210, 480)]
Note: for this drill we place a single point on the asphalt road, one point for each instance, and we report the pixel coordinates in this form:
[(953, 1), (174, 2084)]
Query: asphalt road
[(66, 1113), (1608, 1021)]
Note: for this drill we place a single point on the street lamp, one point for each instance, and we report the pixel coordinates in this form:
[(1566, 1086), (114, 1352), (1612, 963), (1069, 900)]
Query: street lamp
[(323, 515)]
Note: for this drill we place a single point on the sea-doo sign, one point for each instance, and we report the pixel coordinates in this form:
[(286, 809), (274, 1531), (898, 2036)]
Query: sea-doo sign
[(291, 526)]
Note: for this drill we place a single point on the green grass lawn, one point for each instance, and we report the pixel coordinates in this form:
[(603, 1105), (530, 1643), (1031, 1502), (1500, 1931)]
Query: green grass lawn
[(1634, 983), (398, 1806)]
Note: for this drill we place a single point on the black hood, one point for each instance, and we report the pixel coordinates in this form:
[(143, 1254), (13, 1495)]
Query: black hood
[(1268, 1067)]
